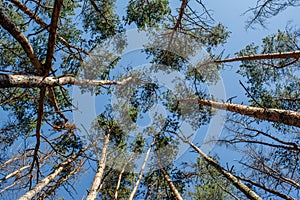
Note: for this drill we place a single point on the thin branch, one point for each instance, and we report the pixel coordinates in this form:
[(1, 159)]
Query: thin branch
[(38, 187), (54, 104), (250, 94), (277, 193), (39, 21), (38, 133)]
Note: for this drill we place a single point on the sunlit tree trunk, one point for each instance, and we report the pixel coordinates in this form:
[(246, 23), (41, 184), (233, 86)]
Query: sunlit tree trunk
[(230, 177), (93, 192), (281, 55), (141, 172), (41, 185), (62, 180), (171, 184), (23, 81), (120, 176), (270, 114)]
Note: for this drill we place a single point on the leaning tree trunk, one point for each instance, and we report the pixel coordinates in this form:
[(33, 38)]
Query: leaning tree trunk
[(141, 171), (34, 191), (170, 183), (23, 81), (62, 180), (270, 114), (120, 176), (234, 180), (93, 192), (280, 55)]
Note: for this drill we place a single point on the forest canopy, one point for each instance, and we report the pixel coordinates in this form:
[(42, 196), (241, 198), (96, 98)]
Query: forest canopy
[(126, 100)]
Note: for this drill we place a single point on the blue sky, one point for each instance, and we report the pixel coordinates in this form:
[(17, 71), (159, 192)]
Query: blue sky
[(229, 13)]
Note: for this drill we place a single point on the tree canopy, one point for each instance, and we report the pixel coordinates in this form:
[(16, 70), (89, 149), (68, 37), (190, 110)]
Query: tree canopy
[(112, 99)]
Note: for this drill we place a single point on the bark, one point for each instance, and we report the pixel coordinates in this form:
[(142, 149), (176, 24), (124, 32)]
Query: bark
[(20, 170), (93, 192), (282, 55), (15, 31), (52, 35), (287, 117), (39, 21), (121, 174), (14, 159), (141, 172), (23, 81), (52, 188), (171, 184), (234, 180), (267, 189), (42, 184), (17, 172)]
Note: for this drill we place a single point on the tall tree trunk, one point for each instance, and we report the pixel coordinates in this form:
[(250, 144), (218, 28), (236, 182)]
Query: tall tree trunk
[(23, 81), (270, 114), (38, 187), (170, 183), (280, 55), (141, 171), (62, 180), (93, 192), (120, 176), (234, 180)]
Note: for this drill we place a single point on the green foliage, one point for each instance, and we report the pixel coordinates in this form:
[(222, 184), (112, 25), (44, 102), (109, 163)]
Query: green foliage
[(100, 19), (272, 85), (210, 183), (147, 13)]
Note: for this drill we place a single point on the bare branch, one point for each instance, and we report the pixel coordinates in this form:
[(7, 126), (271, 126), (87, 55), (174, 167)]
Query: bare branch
[(31, 193)]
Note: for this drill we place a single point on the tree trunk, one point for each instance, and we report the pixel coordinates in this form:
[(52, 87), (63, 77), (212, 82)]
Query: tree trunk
[(170, 183), (281, 55), (34, 191), (23, 81), (235, 181), (53, 187), (120, 176), (93, 192), (270, 114), (141, 172)]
